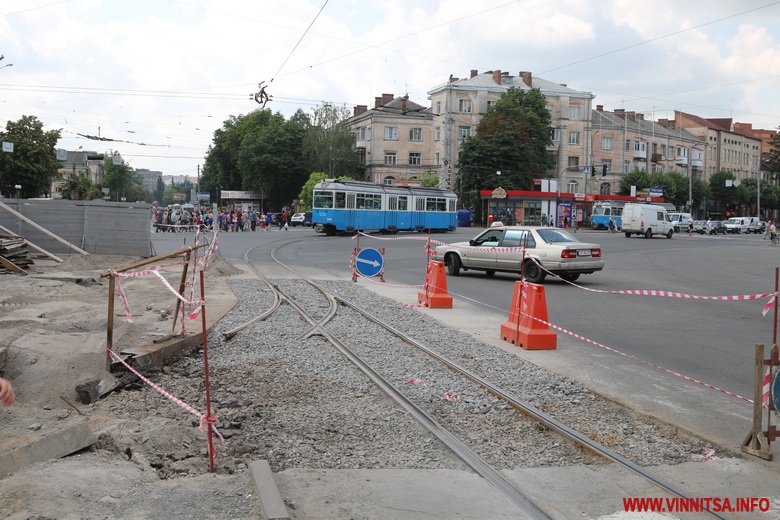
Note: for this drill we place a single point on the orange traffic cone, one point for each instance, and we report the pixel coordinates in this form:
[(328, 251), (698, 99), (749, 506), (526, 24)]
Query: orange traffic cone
[(522, 329), (435, 295)]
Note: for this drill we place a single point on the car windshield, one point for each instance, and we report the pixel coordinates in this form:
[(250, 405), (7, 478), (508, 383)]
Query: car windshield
[(555, 236)]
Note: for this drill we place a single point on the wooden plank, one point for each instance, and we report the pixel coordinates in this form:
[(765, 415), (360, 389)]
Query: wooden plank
[(11, 266)]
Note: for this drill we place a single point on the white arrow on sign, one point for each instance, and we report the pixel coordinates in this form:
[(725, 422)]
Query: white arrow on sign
[(373, 263)]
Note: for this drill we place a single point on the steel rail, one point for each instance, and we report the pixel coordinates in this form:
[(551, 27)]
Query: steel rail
[(527, 507), (519, 404)]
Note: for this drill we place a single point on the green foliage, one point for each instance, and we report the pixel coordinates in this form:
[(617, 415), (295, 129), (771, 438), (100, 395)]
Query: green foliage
[(33, 163), (80, 187), (160, 191), (772, 163), (724, 196), (674, 184), (429, 180), (328, 144), (307, 191), (122, 181), (511, 138)]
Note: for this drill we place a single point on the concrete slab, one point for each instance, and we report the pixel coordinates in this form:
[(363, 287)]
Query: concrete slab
[(50, 446), (268, 494)]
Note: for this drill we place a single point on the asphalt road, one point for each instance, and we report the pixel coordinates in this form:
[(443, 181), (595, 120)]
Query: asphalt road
[(708, 340)]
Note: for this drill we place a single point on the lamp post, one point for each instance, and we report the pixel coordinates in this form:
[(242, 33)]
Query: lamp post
[(18, 188)]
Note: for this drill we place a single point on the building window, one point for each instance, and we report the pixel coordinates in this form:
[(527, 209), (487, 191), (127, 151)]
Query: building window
[(574, 138), (491, 105), (605, 188), (415, 134), (574, 162), (663, 150), (464, 105), (464, 132), (550, 111), (555, 134), (391, 133), (360, 133), (606, 143), (388, 180), (608, 163), (390, 158), (626, 166), (438, 107), (415, 158), (628, 145), (436, 158), (437, 133), (574, 113), (573, 186)]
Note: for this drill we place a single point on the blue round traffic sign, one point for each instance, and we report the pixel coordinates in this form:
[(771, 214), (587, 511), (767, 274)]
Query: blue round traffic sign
[(369, 262)]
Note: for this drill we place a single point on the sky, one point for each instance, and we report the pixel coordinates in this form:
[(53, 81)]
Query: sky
[(158, 77)]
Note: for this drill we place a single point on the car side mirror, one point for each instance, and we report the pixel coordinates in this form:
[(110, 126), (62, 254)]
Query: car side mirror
[(472, 242)]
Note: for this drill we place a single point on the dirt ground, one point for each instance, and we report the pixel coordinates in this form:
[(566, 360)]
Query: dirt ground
[(149, 459)]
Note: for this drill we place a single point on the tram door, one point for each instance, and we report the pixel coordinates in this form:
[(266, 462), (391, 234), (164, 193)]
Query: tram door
[(349, 213), (391, 215), (418, 217)]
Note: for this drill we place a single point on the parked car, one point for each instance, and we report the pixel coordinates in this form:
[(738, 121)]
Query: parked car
[(679, 220), (298, 219), (757, 226), (498, 249), (700, 226), (717, 227)]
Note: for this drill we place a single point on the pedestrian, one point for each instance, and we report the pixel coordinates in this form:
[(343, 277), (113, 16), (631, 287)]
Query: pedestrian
[(252, 220), (544, 219), (269, 221), (611, 224), (239, 221), (690, 226), (283, 222), (772, 233), (7, 396)]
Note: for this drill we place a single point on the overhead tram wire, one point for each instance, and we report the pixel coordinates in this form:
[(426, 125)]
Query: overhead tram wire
[(633, 45), (298, 42)]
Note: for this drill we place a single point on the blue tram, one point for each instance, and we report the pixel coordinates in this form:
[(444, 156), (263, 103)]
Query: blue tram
[(603, 211), (347, 206)]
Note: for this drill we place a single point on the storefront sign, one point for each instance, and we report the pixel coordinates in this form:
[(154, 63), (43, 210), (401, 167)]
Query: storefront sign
[(499, 193)]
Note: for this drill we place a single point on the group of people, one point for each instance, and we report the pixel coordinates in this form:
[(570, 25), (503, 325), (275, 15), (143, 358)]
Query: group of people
[(233, 220)]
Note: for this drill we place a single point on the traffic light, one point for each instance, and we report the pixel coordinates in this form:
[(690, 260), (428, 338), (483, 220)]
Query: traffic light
[(604, 170)]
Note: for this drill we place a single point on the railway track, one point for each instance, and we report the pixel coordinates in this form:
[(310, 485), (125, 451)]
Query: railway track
[(322, 321)]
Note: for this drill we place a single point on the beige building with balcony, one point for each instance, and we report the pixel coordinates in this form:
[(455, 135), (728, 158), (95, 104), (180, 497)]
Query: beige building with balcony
[(626, 141), (393, 139), (728, 149), (459, 104)]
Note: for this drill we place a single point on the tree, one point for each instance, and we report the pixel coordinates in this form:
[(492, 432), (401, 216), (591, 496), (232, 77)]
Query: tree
[(160, 191), (307, 190), (33, 163), (328, 144), (80, 187), (122, 181), (675, 186), (773, 161), (512, 139), (725, 197)]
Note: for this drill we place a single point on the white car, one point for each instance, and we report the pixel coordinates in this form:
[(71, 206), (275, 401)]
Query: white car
[(547, 250), (298, 219)]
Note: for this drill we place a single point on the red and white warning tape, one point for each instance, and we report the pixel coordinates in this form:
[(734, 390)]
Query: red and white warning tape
[(204, 421), (766, 389)]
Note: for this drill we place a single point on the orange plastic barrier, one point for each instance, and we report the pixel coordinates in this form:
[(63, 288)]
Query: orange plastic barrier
[(435, 295), (522, 329)]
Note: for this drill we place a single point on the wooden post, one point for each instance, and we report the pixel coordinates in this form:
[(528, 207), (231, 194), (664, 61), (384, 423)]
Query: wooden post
[(182, 286), (756, 442), (110, 321), (206, 369)]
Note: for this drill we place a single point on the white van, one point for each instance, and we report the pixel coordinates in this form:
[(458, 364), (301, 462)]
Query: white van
[(647, 220), (679, 220), (739, 224)]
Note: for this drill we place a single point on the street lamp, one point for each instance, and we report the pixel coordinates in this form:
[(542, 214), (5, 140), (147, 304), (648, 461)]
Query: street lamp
[(18, 188)]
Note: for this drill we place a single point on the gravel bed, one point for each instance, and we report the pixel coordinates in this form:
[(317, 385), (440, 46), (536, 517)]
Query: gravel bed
[(299, 403)]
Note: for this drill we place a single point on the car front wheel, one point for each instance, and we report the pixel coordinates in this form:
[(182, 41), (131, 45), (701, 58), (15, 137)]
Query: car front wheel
[(649, 233), (669, 234), (453, 264)]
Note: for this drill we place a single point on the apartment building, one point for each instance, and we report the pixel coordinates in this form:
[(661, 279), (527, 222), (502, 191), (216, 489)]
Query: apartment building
[(626, 141), (148, 179), (459, 104), (77, 162), (728, 149), (393, 139), (765, 136)]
